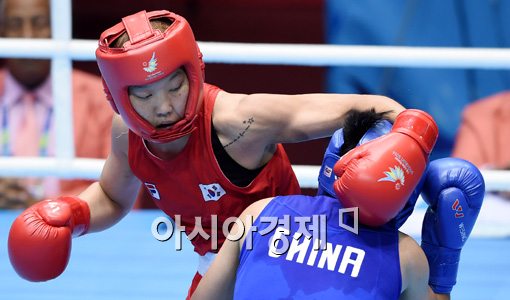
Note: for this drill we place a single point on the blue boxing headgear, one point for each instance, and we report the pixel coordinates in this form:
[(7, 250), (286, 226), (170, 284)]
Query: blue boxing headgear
[(332, 154)]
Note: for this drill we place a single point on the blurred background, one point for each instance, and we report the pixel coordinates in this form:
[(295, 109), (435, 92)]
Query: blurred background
[(434, 23), (249, 21), (246, 21), (444, 93)]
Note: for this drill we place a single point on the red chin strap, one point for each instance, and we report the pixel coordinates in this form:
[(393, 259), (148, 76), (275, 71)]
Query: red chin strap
[(178, 130), (148, 56)]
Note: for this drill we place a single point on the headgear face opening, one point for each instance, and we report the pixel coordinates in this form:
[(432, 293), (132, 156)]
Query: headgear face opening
[(326, 175), (148, 56)]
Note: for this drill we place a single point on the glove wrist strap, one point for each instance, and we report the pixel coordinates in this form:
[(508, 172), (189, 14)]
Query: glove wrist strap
[(444, 264), (81, 214)]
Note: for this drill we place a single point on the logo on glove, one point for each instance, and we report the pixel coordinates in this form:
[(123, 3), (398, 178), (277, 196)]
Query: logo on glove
[(328, 171), (458, 209), (394, 175)]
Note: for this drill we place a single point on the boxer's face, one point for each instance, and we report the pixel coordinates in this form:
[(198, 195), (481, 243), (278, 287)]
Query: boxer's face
[(163, 102), (27, 19)]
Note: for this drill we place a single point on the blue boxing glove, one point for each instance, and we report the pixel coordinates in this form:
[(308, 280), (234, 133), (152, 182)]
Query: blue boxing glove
[(454, 190), (332, 155)]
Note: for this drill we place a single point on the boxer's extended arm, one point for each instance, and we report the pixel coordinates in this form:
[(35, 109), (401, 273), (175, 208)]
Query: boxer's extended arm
[(295, 118), (248, 125)]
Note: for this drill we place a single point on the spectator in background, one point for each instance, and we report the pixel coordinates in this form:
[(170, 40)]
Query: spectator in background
[(484, 134), (27, 112), (433, 23), (14, 195)]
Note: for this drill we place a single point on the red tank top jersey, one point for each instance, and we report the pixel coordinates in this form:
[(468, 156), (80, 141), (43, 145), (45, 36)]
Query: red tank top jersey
[(192, 184)]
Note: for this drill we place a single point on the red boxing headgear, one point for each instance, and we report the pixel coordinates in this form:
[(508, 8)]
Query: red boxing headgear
[(149, 56)]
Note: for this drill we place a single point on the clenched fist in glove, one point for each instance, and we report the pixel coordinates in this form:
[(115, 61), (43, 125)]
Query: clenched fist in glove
[(454, 190), (40, 237), (379, 177)]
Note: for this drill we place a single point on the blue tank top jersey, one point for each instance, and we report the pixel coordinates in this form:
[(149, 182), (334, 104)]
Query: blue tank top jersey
[(287, 259)]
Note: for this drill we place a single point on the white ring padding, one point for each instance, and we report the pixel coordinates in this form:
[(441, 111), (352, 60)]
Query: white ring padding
[(282, 54), (81, 168), (495, 180), (336, 55), (287, 54), (87, 168)]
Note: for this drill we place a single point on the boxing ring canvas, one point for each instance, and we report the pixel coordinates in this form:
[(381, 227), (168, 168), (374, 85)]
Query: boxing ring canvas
[(127, 262), (124, 262)]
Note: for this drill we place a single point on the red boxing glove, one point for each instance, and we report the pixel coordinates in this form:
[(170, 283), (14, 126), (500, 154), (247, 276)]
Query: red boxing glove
[(378, 177), (40, 238)]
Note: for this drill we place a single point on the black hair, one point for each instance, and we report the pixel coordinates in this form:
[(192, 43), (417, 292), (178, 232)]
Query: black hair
[(357, 124)]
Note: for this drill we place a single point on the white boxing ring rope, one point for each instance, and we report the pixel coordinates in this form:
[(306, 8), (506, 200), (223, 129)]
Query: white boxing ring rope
[(287, 54), (87, 168), (66, 166), (62, 49)]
